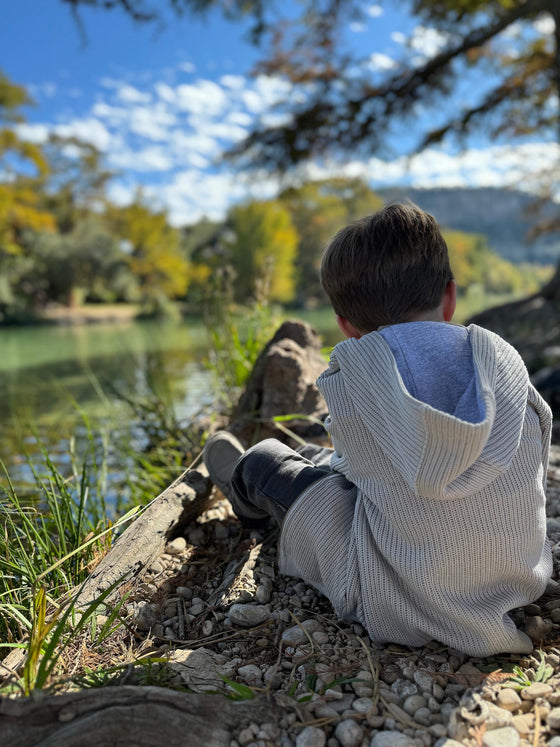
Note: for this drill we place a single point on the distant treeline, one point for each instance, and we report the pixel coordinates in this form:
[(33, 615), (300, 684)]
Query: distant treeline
[(94, 251), (63, 241)]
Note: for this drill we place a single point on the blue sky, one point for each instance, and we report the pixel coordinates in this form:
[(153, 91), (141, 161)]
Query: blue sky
[(162, 103)]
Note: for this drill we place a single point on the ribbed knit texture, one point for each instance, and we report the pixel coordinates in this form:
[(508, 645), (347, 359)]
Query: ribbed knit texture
[(442, 530)]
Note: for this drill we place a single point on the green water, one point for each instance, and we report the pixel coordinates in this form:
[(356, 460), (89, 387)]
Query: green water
[(52, 377)]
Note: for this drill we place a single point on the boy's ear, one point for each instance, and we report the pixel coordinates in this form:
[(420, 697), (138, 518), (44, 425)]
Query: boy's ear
[(449, 300), (347, 328)]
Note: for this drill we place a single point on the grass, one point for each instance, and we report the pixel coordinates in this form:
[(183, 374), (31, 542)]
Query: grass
[(48, 547), (51, 541)]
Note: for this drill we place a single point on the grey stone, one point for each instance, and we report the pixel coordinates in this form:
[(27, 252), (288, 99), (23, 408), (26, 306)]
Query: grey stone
[(446, 742), (221, 531), (263, 593), (536, 690), (349, 733), (251, 674), (553, 718), (144, 615), (294, 636), (196, 536), (392, 739), (200, 669), (554, 742), (311, 736), (362, 705), (185, 592), (424, 681), (413, 703), (248, 615), (504, 737)]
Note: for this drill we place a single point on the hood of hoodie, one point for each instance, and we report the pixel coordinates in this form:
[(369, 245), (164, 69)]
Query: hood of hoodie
[(440, 453)]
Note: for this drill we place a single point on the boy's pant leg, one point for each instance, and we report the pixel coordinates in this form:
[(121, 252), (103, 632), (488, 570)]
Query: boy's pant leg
[(269, 477)]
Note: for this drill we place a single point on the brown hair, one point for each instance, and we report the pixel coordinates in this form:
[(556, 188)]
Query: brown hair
[(386, 267)]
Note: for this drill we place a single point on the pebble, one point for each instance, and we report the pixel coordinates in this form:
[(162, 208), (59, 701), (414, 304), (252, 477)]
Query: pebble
[(536, 690), (508, 699), (251, 674), (392, 739), (176, 546), (311, 736), (418, 683), (349, 733), (248, 615), (185, 592), (294, 636), (413, 703), (524, 722), (505, 737), (553, 719), (362, 705), (196, 535), (144, 615)]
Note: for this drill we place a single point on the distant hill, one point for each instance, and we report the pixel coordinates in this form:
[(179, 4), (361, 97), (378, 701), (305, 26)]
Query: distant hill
[(503, 216)]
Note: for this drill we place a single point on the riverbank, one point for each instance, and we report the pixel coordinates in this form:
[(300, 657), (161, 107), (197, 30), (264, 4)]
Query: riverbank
[(89, 314)]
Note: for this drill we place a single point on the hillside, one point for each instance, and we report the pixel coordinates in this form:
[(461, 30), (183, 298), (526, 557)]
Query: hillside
[(503, 216)]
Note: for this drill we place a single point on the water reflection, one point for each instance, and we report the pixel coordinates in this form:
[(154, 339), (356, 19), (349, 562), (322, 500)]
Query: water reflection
[(55, 380)]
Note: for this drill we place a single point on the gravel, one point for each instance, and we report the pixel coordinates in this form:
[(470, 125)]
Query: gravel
[(216, 591)]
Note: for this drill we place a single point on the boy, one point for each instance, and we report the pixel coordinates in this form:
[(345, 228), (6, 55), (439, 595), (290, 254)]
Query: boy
[(427, 519)]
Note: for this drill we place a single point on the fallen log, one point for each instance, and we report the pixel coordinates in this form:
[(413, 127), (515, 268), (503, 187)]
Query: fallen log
[(128, 715), (140, 544)]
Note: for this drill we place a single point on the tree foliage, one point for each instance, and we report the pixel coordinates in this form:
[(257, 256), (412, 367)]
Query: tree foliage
[(21, 165), (262, 248)]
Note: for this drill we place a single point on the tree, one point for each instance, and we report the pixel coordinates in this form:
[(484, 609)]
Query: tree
[(262, 248), (154, 251), (21, 166), (76, 182), (343, 105), (318, 210)]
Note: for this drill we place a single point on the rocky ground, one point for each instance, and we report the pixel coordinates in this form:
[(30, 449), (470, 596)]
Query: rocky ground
[(216, 607)]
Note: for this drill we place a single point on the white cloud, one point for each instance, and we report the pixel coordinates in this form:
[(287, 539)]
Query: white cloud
[(121, 194), (398, 37), (165, 92), (197, 142), (142, 160), (379, 61), (236, 82), (187, 67), (357, 27), (202, 97), (428, 41), (544, 25), (89, 129), (374, 11), (32, 133), (151, 122), (131, 95)]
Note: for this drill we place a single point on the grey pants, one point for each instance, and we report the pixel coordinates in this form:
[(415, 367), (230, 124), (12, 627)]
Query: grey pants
[(269, 477)]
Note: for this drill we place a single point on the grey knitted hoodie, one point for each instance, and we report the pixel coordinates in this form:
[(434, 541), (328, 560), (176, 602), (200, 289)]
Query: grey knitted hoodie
[(430, 526)]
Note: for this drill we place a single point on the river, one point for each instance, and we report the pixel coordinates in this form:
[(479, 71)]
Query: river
[(55, 381)]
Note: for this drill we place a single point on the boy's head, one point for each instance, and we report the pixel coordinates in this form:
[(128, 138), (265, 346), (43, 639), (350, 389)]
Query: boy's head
[(387, 268)]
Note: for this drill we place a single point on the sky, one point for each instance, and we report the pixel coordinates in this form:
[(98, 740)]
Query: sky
[(162, 103)]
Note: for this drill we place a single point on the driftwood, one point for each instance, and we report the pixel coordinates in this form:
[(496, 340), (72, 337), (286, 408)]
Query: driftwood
[(127, 715), (282, 383), (140, 544), (145, 539)]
